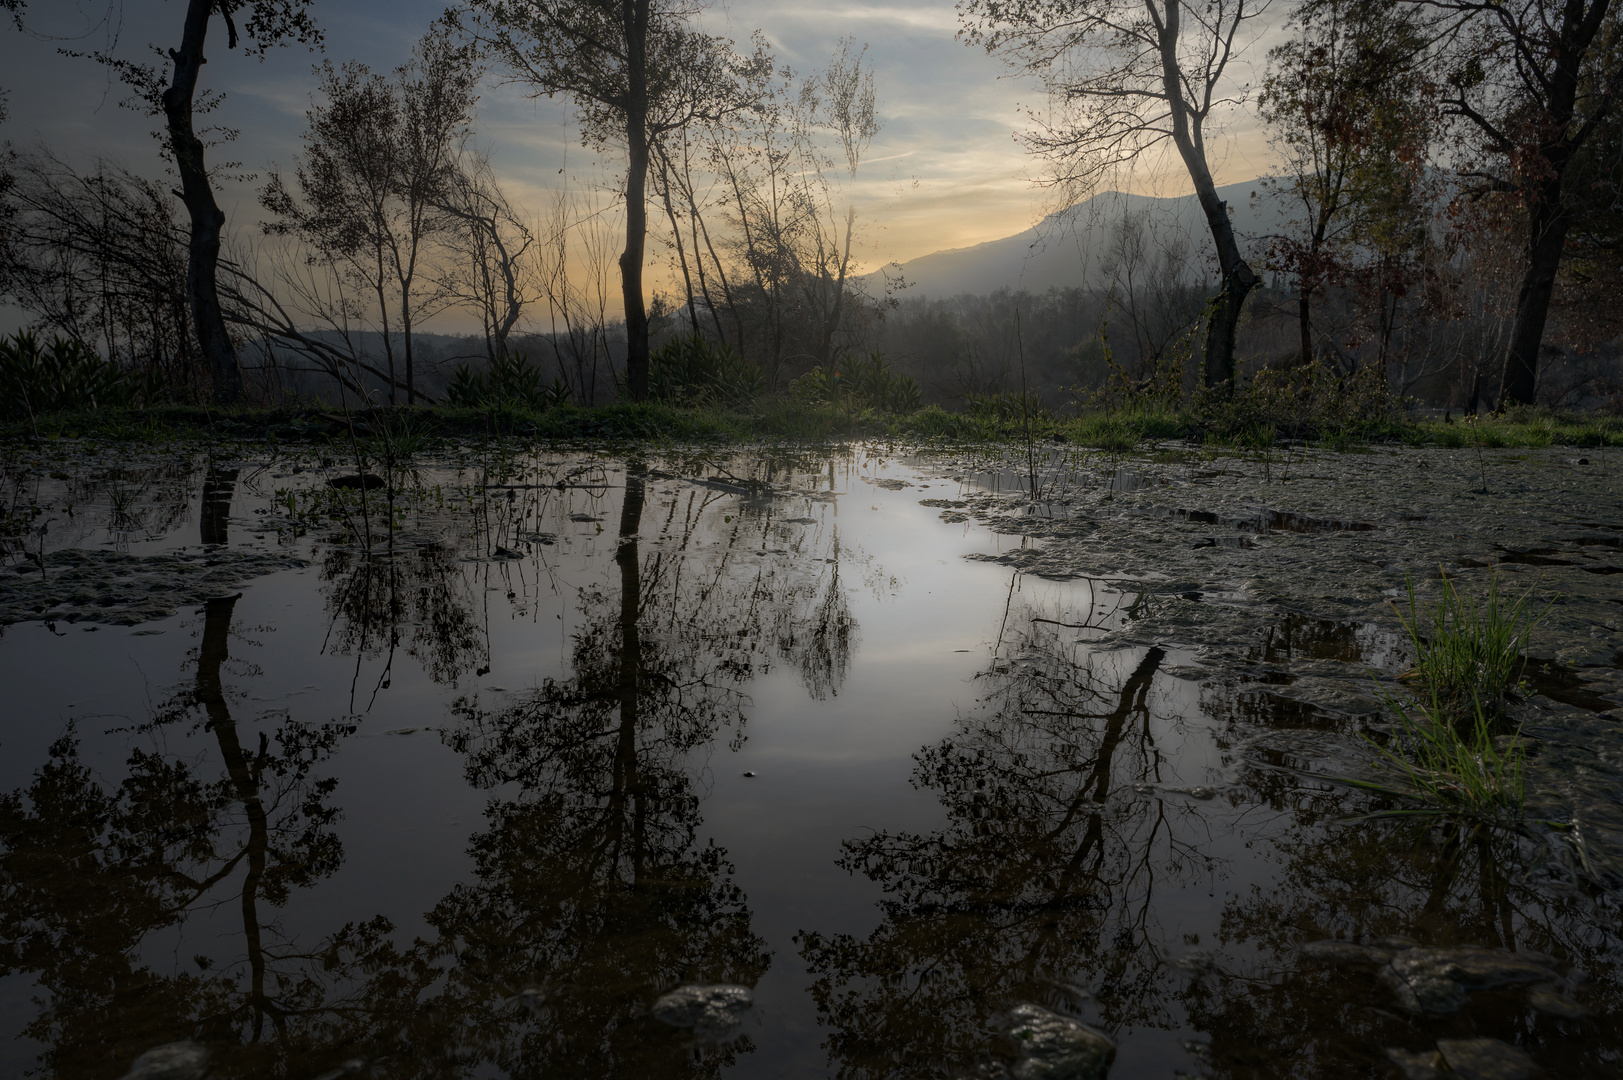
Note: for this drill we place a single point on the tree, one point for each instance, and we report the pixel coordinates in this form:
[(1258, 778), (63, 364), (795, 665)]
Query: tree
[(1127, 77), (635, 71), (1349, 102), (489, 245), (1529, 83), (101, 256), (269, 23), (379, 164)]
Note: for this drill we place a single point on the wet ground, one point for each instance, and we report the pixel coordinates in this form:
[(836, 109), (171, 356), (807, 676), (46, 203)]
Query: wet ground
[(858, 763)]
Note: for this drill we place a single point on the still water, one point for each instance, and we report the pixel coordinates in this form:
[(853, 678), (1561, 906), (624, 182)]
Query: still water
[(456, 767)]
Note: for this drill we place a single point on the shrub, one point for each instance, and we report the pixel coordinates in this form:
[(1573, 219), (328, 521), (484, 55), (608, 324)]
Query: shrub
[(510, 382), (860, 384), (62, 376), (690, 369)]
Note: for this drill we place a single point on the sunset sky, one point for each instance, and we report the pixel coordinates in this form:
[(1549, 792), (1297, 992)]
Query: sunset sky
[(945, 171)]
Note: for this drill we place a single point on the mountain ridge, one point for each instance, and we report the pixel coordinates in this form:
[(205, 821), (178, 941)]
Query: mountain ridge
[(1065, 249)]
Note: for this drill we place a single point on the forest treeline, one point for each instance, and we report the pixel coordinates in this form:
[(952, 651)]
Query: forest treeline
[(1447, 200)]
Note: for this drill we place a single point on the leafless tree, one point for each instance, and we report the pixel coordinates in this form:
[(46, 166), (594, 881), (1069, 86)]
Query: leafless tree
[(1126, 77), (100, 256), (488, 249), (176, 99), (1529, 83)]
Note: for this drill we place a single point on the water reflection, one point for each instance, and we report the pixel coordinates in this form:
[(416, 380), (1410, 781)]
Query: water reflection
[(1059, 839), (211, 838), (1093, 814), (416, 595), (590, 891)]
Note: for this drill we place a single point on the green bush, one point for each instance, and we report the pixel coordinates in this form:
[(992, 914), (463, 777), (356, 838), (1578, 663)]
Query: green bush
[(690, 369), (1308, 402), (510, 382), (859, 384), (65, 375)]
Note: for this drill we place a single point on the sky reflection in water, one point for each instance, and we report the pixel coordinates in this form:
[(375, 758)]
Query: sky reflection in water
[(464, 795)]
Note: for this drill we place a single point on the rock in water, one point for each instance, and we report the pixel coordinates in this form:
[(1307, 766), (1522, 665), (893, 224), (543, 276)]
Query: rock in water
[(1054, 1047), (1435, 980), (171, 1061), (1486, 1059), (713, 1012), (1345, 952), (1547, 1000)]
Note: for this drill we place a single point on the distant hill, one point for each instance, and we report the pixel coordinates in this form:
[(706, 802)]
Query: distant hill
[(1065, 249)]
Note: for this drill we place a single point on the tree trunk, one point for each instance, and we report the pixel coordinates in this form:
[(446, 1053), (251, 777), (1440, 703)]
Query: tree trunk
[(626, 781), (831, 324), (1547, 233), (207, 219), (635, 14), (1238, 279), (1304, 320)]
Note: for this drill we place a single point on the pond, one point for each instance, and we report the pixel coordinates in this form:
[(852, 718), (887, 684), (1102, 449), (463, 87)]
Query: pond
[(506, 760)]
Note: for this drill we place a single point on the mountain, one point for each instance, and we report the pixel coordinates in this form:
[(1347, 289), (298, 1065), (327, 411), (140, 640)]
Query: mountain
[(1066, 248)]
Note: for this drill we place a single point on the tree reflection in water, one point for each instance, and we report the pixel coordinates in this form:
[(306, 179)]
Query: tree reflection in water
[(591, 888), (591, 892), (1048, 864), (1063, 828), (90, 874)]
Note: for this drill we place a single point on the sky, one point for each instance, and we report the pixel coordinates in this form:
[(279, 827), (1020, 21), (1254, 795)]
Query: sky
[(945, 170)]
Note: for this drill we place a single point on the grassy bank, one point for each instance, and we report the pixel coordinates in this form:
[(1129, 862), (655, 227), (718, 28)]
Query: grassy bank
[(1109, 429)]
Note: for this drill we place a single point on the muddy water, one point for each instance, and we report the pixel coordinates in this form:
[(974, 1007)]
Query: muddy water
[(458, 771)]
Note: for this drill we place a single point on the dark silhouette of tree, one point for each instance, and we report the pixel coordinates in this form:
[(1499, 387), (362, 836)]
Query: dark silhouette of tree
[(1127, 77), (380, 161), (268, 23), (1353, 116), (1529, 84), (636, 71), (1047, 867), (89, 872)]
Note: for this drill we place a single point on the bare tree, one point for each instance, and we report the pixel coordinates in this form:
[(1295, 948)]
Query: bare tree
[(840, 100), (100, 256), (636, 71), (1127, 77), (488, 248)]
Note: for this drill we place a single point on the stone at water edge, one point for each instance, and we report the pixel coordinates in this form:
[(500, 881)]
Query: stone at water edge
[(713, 1012), (1436, 980), (1486, 1059), (1054, 1047), (171, 1061), (1421, 1065)]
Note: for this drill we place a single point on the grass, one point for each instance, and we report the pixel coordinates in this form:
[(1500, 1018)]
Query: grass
[(1449, 750), (1451, 764), (1251, 424), (1469, 652)]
